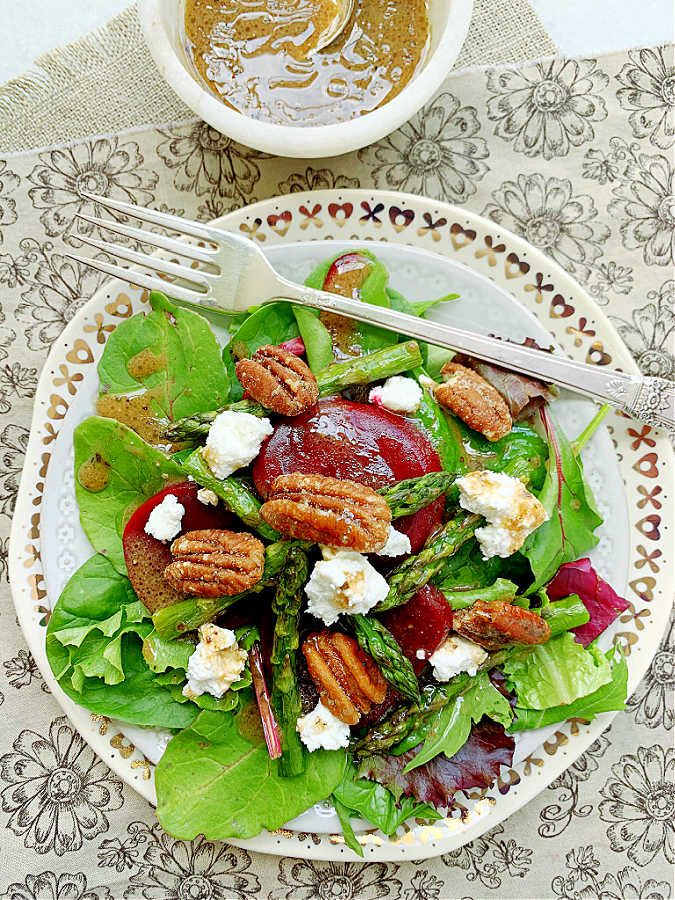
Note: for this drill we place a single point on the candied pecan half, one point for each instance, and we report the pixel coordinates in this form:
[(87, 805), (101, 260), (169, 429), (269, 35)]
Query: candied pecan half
[(499, 624), (215, 563), (328, 510), (347, 679), (475, 401), (279, 380)]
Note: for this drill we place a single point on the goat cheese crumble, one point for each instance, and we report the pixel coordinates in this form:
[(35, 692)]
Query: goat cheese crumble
[(320, 729), (456, 654), (233, 441), (216, 664), (396, 545), (207, 497), (164, 521), (397, 394), (512, 512), (343, 582)]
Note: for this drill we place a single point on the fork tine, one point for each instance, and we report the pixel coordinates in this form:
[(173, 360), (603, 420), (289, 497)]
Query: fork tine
[(141, 279), (175, 223), (204, 254), (163, 266)]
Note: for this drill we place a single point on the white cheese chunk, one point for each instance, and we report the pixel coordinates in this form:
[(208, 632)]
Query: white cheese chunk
[(207, 497), (398, 394), (233, 441), (397, 544), (512, 512), (164, 521), (343, 582), (216, 664), (455, 655), (320, 729)]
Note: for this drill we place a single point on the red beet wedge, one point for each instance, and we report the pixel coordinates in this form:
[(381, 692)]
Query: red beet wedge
[(355, 441), (146, 557)]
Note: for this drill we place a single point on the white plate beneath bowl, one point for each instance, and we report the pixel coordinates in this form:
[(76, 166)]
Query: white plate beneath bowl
[(48, 543)]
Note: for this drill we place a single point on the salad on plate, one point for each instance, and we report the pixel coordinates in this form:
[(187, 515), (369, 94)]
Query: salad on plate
[(330, 564)]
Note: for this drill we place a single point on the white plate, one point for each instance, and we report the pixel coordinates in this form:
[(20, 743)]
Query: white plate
[(507, 288)]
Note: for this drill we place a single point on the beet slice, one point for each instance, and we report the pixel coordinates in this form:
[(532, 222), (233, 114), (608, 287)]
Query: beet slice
[(355, 441), (146, 557), (423, 623)]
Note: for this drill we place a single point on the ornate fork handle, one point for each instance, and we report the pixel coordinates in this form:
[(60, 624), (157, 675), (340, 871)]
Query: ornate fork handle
[(649, 399)]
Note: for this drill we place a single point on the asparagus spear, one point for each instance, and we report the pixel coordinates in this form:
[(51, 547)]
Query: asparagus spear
[(235, 494), (285, 695), (381, 644), (173, 621), (416, 571), (407, 497), (362, 370)]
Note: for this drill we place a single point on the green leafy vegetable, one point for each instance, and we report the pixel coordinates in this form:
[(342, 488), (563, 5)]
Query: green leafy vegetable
[(135, 471), (316, 338), (609, 697), (449, 728), (502, 589), (234, 788), (435, 423), (94, 648), (171, 352), (557, 672), (374, 802), (272, 323), (562, 615), (568, 533)]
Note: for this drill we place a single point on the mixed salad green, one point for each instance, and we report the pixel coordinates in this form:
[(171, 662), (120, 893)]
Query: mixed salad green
[(120, 642)]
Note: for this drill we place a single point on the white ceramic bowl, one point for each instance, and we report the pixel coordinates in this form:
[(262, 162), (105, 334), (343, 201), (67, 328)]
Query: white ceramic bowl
[(160, 20)]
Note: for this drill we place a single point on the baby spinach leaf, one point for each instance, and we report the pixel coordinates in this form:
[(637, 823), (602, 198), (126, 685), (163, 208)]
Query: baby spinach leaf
[(169, 352), (93, 644), (435, 424), (607, 698), (135, 471), (234, 788), (568, 533), (316, 338), (344, 815), (376, 803), (557, 672), (449, 728)]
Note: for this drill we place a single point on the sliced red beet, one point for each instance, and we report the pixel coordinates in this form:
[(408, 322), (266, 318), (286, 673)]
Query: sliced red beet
[(146, 557), (355, 441), (422, 623)]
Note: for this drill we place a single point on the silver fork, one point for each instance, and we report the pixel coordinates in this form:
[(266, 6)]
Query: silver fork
[(238, 276)]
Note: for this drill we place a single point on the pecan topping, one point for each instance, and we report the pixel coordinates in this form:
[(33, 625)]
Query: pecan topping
[(475, 401), (215, 563), (347, 679), (499, 624), (329, 511), (279, 380)]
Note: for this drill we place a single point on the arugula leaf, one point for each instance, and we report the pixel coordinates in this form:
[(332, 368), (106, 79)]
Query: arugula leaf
[(171, 352), (568, 532), (135, 472), (234, 788), (607, 698), (374, 802), (93, 644), (557, 672), (449, 728)]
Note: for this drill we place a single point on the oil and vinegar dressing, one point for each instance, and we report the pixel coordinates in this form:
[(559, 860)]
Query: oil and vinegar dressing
[(259, 55)]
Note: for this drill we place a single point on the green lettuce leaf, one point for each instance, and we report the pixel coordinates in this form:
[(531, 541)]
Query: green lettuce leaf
[(449, 728), (94, 648), (562, 615), (607, 698), (184, 368), (568, 533), (135, 470), (216, 778), (555, 673)]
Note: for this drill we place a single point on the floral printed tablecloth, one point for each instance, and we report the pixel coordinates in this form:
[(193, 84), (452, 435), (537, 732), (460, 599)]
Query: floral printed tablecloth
[(577, 156)]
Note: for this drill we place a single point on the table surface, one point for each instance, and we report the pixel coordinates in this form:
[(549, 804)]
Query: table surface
[(578, 27)]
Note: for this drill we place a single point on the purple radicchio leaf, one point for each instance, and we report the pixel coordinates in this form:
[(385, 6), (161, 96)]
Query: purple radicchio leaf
[(476, 764), (601, 601)]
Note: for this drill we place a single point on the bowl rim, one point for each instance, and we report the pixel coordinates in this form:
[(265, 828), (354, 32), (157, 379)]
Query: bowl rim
[(319, 140)]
